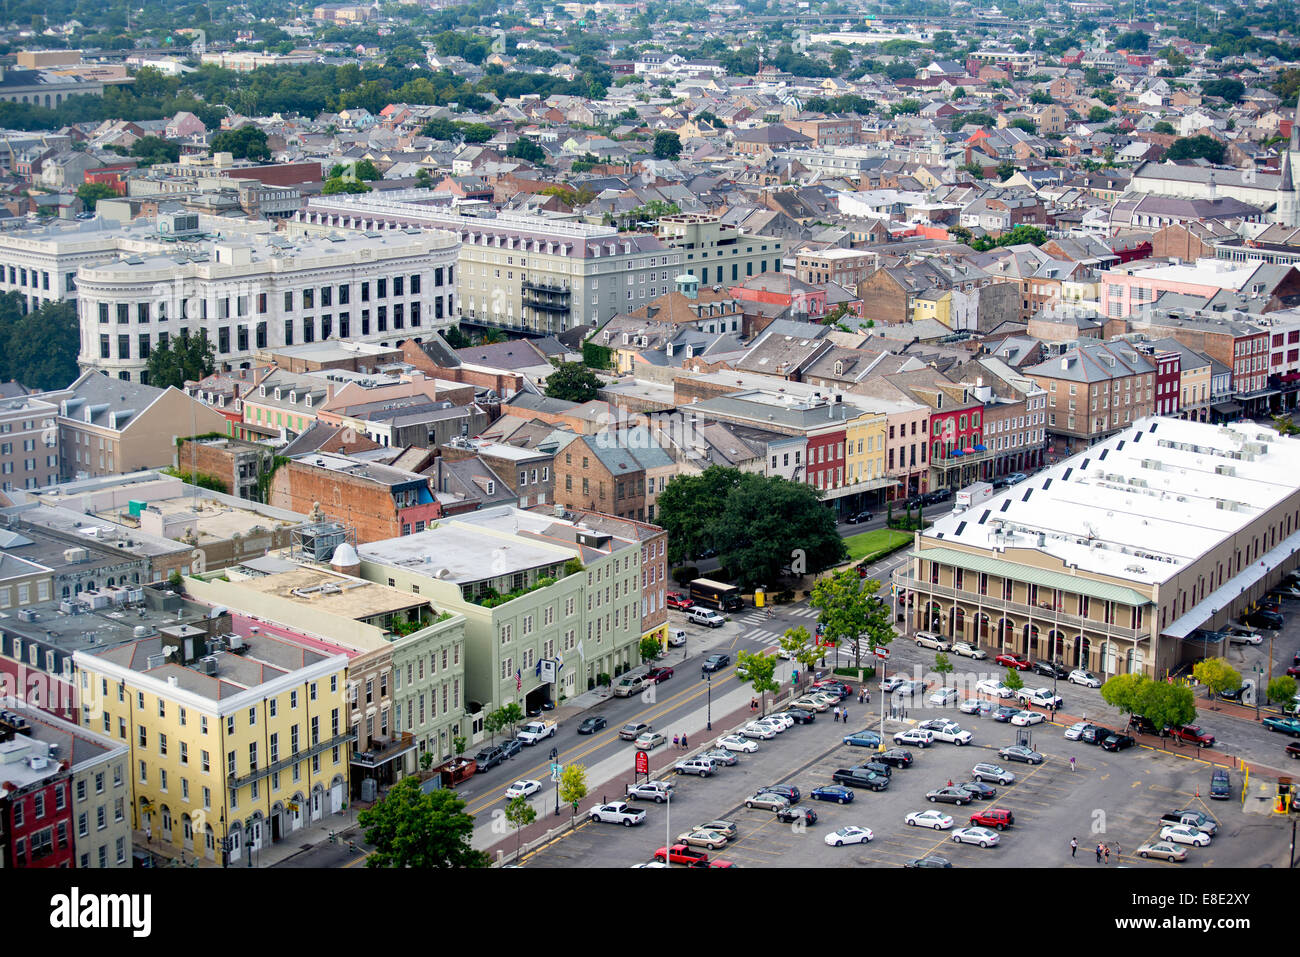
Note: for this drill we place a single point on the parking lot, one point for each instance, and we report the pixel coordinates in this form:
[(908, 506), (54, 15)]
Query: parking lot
[(1111, 798)]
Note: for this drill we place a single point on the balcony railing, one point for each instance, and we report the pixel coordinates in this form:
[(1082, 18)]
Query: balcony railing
[(234, 783), (381, 752), (1044, 613), (553, 288)]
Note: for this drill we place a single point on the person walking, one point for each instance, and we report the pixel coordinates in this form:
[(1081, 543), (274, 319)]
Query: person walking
[(860, 694), (1074, 846), (1071, 762), (1105, 850), (676, 742), (844, 715), (685, 746), (1098, 852)]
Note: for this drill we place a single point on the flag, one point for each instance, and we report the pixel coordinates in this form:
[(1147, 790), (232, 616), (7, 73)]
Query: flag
[(519, 680)]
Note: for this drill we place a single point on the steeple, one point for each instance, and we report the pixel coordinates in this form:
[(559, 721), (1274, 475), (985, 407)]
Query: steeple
[(1295, 128), (1288, 202)]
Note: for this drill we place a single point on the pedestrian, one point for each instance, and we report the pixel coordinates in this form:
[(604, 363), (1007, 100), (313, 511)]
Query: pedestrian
[(685, 746), (1071, 762), (676, 743), (1098, 852), (835, 715), (844, 715), (950, 782), (1105, 850), (1074, 846)]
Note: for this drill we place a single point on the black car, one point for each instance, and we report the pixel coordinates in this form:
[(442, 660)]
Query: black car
[(940, 495), (1095, 734), (788, 791), (800, 716), (1050, 669), (1118, 742), (715, 663), (875, 766), (1142, 725), (895, 758), (1262, 618), (928, 861), (1220, 785), (837, 688), (592, 725), (979, 789), (488, 758), (1232, 694), (859, 517), (1004, 713), (511, 747), (788, 815)]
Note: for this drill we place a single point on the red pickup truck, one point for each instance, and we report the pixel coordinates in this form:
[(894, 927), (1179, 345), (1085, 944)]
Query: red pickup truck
[(1193, 734), (997, 817), (681, 854)]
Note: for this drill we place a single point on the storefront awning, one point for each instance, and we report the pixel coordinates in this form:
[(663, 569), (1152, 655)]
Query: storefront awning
[(1226, 408)]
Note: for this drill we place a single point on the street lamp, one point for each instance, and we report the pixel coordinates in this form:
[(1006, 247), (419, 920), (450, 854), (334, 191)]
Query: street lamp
[(1259, 688), (555, 753), (708, 684)]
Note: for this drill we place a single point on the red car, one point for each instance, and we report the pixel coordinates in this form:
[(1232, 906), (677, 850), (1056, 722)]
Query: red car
[(1014, 661), (1294, 671), (1192, 733), (656, 675), (681, 602), (681, 854), (998, 818)]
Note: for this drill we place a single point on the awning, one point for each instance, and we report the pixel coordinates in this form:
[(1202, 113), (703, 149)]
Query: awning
[(1226, 408), (980, 448), (1001, 568), (1233, 588), (956, 452)]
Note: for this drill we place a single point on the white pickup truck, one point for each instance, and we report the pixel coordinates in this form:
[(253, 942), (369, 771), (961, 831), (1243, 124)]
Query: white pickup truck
[(949, 731), (535, 731)]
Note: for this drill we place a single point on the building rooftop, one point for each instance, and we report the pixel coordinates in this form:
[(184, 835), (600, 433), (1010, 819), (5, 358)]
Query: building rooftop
[(1139, 506)]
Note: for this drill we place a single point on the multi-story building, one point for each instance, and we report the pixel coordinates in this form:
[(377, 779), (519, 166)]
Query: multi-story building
[(719, 253), (238, 737), (608, 472), (1111, 559), (263, 292), (1241, 345), (549, 605), (66, 793), (1094, 390), (845, 267), (29, 443), (518, 272)]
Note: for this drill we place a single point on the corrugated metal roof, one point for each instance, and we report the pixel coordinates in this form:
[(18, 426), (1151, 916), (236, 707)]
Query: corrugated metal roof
[(1034, 576)]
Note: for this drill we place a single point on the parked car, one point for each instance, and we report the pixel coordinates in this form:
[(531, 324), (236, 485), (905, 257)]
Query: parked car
[(705, 616), (658, 675), (997, 818), (1163, 850), (701, 766), (1143, 725), (976, 706), (763, 732), (649, 740), (928, 639), (1019, 662), (657, 791), (628, 685), (1263, 618), (976, 835), (1073, 731), (1005, 713), (943, 697), (1051, 669), (489, 757), (967, 650), (850, 834), (991, 772), (949, 795), (676, 600), (800, 715), (1118, 742), (618, 813), (801, 812), (945, 730), (703, 837), (1018, 752), (1023, 719), (863, 739), (631, 730), (934, 819), (715, 663), (930, 860), (511, 746), (676, 637), (1016, 477), (681, 854), (892, 682), (1289, 726), (809, 703), (1095, 734), (1220, 785), (787, 791), (894, 758), (992, 686), (1185, 834), (727, 829), (737, 742), (831, 792), (1193, 734), (1040, 697), (981, 791), (916, 736), (767, 801), (1080, 676), (592, 725)]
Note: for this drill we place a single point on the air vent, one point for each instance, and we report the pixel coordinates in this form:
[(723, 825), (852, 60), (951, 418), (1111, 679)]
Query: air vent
[(1225, 470), (1047, 484), (1120, 447)]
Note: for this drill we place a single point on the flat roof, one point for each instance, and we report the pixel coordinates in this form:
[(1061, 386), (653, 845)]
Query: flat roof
[(1139, 506), (333, 594)]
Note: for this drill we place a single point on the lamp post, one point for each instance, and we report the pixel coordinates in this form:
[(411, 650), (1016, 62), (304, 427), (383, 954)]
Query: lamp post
[(708, 684), (1259, 690), (555, 753)]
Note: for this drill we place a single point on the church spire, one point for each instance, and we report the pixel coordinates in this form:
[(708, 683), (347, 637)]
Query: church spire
[(1295, 128)]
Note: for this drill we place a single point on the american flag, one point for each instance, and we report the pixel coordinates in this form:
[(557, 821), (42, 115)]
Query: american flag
[(519, 680)]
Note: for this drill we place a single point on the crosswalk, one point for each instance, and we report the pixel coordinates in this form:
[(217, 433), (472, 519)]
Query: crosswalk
[(769, 631)]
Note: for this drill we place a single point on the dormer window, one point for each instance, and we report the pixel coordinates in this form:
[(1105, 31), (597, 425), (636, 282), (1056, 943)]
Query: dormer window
[(261, 390), (277, 392), (309, 401)]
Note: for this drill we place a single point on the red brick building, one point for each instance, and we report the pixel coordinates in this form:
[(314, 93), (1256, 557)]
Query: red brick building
[(379, 501)]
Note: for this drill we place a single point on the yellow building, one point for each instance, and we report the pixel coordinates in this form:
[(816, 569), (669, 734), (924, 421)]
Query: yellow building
[(237, 737), (933, 304), (864, 448)]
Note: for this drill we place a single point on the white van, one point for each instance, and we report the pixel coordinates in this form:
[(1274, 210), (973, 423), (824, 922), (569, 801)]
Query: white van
[(928, 639), (676, 637)]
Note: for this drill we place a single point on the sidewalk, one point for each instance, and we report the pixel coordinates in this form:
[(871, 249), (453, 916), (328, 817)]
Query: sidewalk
[(166, 854)]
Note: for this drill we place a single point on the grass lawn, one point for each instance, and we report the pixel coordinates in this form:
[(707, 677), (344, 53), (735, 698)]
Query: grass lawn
[(874, 544)]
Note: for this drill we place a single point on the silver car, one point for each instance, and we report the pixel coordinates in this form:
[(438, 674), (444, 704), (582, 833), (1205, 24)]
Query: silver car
[(767, 800)]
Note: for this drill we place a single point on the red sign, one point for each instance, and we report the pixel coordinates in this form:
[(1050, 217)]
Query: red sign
[(882, 653), (642, 762)]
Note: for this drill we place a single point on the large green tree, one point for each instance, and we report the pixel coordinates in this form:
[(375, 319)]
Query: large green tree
[(38, 349), (247, 142), (92, 193), (759, 670), (667, 145), (183, 359), (852, 613), (154, 149), (525, 149), (409, 828), (1197, 147), (1217, 675), (573, 382)]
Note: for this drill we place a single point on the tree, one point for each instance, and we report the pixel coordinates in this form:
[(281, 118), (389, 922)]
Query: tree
[(1135, 41), (1121, 692), (851, 611), (247, 142), (650, 648), (667, 145), (39, 349), (1013, 679), (339, 185), (511, 715), (1041, 97), (841, 59), (1006, 170), (1098, 114), (1228, 90), (181, 359), (1165, 704), (573, 382), (1282, 689), (409, 828), (759, 670), (493, 722), (525, 149), (1285, 425), (92, 193), (1197, 147), (573, 787), (943, 667), (1217, 675), (1164, 127), (154, 149), (796, 642), (521, 814)]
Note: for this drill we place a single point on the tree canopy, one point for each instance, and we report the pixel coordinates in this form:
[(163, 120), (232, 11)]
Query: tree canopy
[(247, 142), (181, 359), (1197, 147), (667, 145), (409, 828), (852, 613), (573, 382), (38, 349)]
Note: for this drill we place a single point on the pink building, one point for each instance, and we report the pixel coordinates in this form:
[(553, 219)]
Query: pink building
[(1131, 290)]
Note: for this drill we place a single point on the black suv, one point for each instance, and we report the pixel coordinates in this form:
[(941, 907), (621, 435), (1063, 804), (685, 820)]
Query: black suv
[(878, 767), (1262, 618), (1050, 670), (1095, 734), (895, 758), (489, 758), (1220, 785), (1143, 725), (715, 663), (788, 791)]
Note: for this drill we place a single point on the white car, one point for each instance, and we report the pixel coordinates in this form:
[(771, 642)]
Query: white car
[(967, 650), (736, 742), (976, 835), (777, 726), (892, 682), (935, 819), (949, 731), (910, 689), (994, 687), (1022, 718), (761, 731), (1073, 731), (917, 736), (944, 697), (1086, 678), (522, 789), (1183, 834), (781, 718), (851, 834)]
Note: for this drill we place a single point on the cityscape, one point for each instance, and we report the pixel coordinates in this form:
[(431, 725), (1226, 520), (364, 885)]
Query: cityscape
[(432, 432)]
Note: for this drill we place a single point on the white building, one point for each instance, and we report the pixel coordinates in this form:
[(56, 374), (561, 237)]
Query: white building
[(263, 292)]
